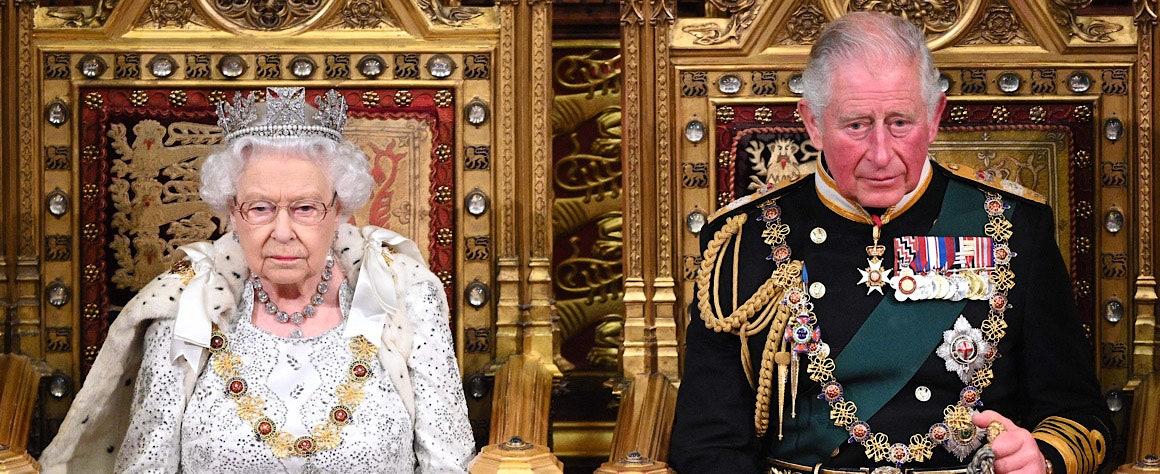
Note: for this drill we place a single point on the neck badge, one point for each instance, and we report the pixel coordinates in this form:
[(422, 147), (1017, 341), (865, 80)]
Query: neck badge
[(874, 276)]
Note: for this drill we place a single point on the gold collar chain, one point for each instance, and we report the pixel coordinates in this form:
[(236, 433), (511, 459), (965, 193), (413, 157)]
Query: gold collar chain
[(957, 433), (252, 408)]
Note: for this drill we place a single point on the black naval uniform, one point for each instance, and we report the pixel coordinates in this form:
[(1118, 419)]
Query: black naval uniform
[(1043, 368)]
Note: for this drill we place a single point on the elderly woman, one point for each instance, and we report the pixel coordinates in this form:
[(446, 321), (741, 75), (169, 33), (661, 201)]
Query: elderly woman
[(297, 343)]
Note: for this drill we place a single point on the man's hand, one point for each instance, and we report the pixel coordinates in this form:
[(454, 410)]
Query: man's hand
[(1015, 449)]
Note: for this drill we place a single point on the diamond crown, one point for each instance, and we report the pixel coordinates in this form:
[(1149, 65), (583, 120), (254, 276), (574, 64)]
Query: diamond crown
[(284, 114)]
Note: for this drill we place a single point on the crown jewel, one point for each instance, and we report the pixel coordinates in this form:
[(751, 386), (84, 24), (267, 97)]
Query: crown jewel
[(284, 114)]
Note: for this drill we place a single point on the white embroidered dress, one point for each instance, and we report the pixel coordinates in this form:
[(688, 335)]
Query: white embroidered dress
[(297, 379)]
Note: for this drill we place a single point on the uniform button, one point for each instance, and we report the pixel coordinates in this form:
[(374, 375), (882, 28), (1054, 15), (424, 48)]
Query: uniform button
[(836, 452), (922, 393), (818, 235), (817, 290)]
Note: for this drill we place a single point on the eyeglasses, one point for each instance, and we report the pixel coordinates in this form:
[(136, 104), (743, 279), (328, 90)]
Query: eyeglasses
[(304, 211)]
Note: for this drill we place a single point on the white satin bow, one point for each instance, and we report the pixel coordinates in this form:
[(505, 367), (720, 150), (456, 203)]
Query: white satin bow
[(375, 312), (194, 323)]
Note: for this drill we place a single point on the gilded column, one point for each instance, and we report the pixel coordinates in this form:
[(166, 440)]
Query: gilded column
[(1144, 343), (536, 135), (632, 151), (650, 328), (524, 339), (650, 338), (524, 319), (508, 261), (663, 320), (7, 197), (20, 159)]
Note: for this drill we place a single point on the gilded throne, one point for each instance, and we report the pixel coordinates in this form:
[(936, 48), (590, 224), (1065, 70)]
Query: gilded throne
[(555, 160)]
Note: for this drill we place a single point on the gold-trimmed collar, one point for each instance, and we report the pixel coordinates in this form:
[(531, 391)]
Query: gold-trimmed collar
[(828, 192)]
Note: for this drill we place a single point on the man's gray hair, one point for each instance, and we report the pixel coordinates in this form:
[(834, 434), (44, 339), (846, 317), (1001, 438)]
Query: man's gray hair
[(346, 165), (860, 36)]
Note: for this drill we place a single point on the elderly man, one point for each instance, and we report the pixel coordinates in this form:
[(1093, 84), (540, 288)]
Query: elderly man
[(859, 318)]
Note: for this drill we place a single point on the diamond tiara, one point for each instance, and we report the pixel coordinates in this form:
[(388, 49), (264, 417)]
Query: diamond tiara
[(284, 114)]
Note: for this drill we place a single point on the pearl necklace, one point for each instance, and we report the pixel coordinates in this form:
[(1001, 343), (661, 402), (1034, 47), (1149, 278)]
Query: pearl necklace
[(298, 317)]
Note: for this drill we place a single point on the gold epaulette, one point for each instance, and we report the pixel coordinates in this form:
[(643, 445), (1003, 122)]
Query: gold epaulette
[(1082, 449), (762, 191), (992, 181)]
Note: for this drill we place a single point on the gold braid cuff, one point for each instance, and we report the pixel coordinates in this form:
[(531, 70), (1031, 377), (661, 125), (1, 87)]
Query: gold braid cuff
[(1082, 449)]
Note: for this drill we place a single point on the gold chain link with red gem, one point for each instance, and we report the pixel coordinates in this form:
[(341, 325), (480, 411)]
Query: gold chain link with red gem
[(956, 417), (323, 436)]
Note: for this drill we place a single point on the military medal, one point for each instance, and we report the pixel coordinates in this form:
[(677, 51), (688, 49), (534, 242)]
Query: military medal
[(950, 268), (873, 276), (946, 268), (906, 285)]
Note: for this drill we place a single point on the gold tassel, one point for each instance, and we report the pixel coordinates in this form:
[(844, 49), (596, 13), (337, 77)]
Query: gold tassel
[(794, 371), (783, 359)]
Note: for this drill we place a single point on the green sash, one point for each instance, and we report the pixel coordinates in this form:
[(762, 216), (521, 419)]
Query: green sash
[(874, 366)]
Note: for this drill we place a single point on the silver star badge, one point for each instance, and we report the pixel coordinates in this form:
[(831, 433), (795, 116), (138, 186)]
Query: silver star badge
[(964, 349)]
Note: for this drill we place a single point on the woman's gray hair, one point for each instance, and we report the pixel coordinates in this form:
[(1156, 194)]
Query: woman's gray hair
[(860, 35), (347, 166)]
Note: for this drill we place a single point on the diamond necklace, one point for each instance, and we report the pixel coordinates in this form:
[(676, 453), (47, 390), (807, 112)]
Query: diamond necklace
[(298, 317)]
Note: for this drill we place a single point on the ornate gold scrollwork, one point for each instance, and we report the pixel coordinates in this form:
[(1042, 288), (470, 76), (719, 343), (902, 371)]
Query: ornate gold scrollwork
[(608, 339), (804, 26), (582, 72), (84, 16), (588, 281), (932, 16), (163, 13), (590, 174), (363, 14), (741, 15), (943, 21), (596, 172), (599, 278), (445, 15), (267, 16), (1093, 31), (999, 25)]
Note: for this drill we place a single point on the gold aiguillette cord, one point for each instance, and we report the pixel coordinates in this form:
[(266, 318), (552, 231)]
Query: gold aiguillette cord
[(762, 310)]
